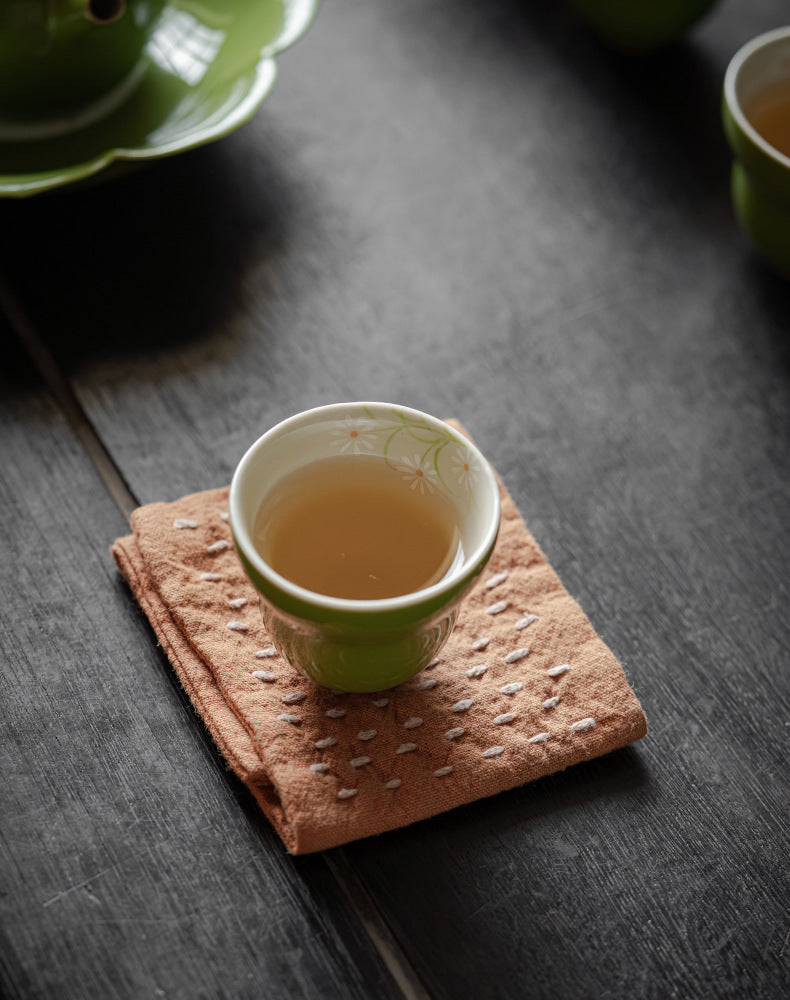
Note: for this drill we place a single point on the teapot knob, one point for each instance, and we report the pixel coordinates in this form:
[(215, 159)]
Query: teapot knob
[(105, 11)]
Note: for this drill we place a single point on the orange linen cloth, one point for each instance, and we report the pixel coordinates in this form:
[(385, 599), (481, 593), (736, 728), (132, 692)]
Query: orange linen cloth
[(524, 686)]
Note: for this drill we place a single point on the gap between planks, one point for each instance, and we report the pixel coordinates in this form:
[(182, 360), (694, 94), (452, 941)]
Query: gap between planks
[(375, 925), (362, 903)]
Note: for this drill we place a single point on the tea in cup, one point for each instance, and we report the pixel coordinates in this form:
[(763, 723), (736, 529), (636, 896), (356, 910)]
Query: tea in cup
[(362, 526), (756, 117)]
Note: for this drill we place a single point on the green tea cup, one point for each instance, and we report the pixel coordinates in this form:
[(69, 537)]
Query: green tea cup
[(760, 177), (641, 25), (367, 645)]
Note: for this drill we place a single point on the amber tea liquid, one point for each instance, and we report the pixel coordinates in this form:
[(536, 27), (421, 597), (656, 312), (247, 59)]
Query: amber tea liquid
[(769, 112), (353, 527)]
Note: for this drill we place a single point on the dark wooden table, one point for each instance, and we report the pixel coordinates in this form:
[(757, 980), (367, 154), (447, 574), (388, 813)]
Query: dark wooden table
[(479, 210)]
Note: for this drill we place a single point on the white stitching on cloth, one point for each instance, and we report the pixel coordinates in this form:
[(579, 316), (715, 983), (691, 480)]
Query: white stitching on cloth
[(426, 684)]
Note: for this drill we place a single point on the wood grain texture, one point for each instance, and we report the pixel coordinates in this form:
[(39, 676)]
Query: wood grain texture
[(133, 863), (482, 212)]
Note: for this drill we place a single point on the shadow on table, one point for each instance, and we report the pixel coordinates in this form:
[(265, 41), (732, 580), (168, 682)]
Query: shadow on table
[(659, 111), (144, 262)]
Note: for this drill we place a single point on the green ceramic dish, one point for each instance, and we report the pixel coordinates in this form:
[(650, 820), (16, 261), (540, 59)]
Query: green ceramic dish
[(205, 70), (760, 180), (358, 645)]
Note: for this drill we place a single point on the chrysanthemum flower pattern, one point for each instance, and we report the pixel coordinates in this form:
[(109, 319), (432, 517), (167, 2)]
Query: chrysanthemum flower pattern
[(427, 458), (464, 469), (356, 437), (419, 474)]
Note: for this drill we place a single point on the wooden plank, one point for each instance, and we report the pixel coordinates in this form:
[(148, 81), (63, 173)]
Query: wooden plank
[(133, 863), (519, 229)]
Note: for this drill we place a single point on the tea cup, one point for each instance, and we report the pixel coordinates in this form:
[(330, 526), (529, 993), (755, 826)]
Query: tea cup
[(760, 176), (354, 644), (641, 25)]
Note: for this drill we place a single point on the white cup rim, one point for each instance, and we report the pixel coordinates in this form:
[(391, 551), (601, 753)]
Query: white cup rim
[(243, 538), (734, 68)]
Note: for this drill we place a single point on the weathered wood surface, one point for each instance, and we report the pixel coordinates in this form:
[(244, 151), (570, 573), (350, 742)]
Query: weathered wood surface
[(481, 212), (133, 863)]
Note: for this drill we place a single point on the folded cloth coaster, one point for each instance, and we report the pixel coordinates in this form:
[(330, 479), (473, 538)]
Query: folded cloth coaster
[(524, 686)]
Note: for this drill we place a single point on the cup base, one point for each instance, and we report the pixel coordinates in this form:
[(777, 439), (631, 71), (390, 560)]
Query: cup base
[(361, 667)]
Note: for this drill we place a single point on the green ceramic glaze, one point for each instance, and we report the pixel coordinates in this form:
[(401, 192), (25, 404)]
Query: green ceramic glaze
[(60, 54), (760, 180), (641, 25), (353, 645), (204, 70)]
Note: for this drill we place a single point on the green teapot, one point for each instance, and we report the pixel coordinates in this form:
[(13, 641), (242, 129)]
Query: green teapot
[(58, 55)]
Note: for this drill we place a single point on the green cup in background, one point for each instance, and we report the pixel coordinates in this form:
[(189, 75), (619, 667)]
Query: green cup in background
[(641, 25), (760, 179)]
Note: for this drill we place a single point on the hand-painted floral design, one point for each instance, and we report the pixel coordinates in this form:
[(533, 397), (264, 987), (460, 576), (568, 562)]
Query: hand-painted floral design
[(417, 450), (418, 473), (464, 469), (356, 437)]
